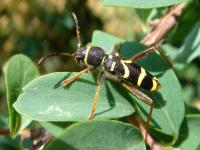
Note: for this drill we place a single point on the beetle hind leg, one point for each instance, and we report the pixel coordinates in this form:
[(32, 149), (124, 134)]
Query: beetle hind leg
[(149, 51), (146, 99)]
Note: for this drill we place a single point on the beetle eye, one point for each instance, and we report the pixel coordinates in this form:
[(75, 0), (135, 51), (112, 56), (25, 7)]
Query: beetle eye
[(78, 58)]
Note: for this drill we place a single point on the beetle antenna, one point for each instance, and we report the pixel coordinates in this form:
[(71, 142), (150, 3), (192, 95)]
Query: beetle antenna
[(79, 45), (42, 59)]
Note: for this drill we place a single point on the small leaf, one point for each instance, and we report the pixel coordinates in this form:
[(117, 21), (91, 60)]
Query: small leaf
[(142, 3), (191, 47), (55, 128), (99, 135), (189, 133), (98, 39), (143, 14), (4, 121), (19, 72)]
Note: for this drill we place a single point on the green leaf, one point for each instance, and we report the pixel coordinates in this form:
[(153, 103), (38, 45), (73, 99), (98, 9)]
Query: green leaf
[(55, 128), (143, 14), (19, 72), (99, 135), (142, 3), (189, 133), (4, 121), (192, 110), (48, 101), (7, 143), (171, 52), (191, 47), (98, 39)]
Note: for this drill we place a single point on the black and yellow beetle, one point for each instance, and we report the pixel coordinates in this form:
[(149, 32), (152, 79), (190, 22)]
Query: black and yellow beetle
[(114, 67)]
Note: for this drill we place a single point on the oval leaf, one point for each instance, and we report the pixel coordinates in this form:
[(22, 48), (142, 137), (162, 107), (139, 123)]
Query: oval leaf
[(55, 128), (49, 101), (191, 47), (20, 71), (99, 135), (142, 3)]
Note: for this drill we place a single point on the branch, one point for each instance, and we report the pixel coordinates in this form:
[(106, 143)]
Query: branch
[(160, 27), (133, 119), (4, 131)]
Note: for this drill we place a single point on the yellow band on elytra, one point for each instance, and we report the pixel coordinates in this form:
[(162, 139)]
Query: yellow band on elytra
[(155, 84), (126, 71), (141, 77)]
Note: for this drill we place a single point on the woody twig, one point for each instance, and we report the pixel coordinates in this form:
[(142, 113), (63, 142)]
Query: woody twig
[(160, 27), (136, 121)]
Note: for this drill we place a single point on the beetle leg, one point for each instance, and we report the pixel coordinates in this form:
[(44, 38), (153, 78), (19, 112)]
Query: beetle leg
[(148, 51), (75, 77), (146, 99), (53, 54), (97, 95)]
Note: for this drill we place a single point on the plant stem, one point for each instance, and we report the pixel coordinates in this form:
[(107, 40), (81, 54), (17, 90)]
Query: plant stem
[(133, 119), (4, 131), (160, 27)]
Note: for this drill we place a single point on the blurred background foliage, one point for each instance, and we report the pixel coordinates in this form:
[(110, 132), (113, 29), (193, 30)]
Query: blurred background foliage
[(38, 27)]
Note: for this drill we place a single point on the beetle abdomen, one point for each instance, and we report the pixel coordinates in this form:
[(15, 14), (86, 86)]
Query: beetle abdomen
[(141, 78), (130, 72)]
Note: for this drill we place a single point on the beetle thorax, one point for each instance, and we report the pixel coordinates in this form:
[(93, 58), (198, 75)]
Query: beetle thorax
[(90, 56), (110, 62)]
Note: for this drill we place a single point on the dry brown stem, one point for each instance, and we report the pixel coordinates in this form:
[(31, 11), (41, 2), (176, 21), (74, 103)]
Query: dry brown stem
[(133, 119), (160, 27), (4, 131)]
